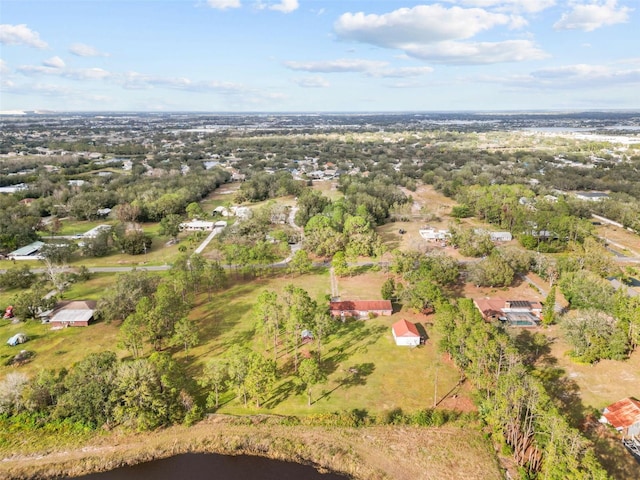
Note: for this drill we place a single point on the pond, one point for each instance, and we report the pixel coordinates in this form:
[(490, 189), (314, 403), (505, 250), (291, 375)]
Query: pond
[(205, 466)]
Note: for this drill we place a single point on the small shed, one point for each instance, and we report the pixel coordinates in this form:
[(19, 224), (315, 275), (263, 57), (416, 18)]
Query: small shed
[(406, 334)]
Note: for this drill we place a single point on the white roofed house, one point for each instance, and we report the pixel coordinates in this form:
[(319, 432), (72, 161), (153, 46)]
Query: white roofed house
[(197, 226), (72, 313), (28, 252)]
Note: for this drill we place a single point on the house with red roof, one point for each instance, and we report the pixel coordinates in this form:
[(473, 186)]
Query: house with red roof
[(360, 308), (624, 416), (519, 313), (406, 334)]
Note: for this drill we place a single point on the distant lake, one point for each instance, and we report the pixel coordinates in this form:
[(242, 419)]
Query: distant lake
[(208, 466)]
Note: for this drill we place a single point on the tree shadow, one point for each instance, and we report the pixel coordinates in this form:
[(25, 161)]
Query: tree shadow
[(357, 374), (565, 392), (283, 391), (534, 347)]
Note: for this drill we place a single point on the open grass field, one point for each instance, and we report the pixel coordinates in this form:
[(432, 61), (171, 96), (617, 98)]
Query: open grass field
[(54, 349), (619, 236), (365, 368), (328, 188)]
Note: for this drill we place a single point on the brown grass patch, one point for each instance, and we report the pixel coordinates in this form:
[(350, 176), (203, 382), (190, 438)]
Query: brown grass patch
[(364, 453)]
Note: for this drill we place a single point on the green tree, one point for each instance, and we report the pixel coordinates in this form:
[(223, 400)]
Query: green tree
[(261, 378), (120, 300), (238, 361), (18, 277), (300, 263), (29, 303), (214, 376), (170, 226), (492, 271), (194, 210), (185, 334), (299, 311), (133, 330), (88, 386), (149, 393), (310, 374), (595, 335), (340, 265), (388, 289), (549, 307)]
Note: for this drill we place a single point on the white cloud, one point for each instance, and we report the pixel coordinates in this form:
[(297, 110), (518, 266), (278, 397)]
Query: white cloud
[(571, 77), (520, 6), (20, 35), (592, 15), (83, 50), (422, 24), (336, 66), (285, 6), (224, 4), (88, 74), (311, 82), (4, 68), (367, 67), (585, 74), (435, 33), (54, 62), (402, 72), (477, 53)]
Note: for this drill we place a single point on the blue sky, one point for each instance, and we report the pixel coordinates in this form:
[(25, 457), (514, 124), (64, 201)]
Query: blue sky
[(319, 55)]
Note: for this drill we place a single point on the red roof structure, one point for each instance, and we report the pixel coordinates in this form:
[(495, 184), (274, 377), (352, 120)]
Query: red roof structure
[(403, 328), (623, 414), (361, 307)]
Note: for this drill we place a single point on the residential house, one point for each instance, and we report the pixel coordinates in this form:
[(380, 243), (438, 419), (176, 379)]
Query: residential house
[(433, 235), (197, 226), (624, 416), (517, 313), (360, 308), (72, 313), (591, 196), (28, 252)]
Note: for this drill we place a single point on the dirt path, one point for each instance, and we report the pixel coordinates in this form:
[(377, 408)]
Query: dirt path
[(371, 453)]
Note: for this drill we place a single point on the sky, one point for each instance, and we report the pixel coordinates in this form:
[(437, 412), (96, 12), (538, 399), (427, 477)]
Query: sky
[(319, 55)]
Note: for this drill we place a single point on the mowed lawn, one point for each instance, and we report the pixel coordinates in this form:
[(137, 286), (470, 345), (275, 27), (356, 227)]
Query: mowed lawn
[(365, 369), (55, 349)]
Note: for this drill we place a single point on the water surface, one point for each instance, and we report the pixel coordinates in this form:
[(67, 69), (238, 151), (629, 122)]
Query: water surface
[(208, 466)]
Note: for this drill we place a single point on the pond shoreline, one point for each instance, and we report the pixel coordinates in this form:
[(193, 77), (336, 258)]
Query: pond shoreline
[(372, 453)]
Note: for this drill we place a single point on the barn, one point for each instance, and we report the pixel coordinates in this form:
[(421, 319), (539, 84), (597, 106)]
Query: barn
[(406, 334)]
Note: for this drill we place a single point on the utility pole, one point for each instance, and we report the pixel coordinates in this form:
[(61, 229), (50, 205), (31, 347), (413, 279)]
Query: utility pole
[(435, 388)]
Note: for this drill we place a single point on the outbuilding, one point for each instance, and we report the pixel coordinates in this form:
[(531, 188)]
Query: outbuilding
[(406, 334)]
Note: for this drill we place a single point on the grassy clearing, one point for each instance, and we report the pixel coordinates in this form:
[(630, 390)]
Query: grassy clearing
[(55, 348), (365, 368), (371, 453)]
